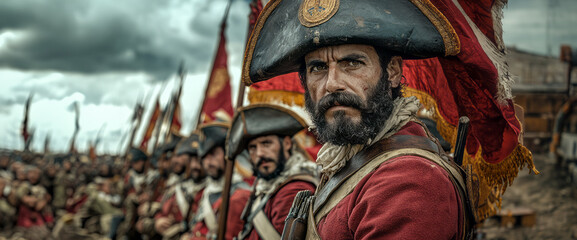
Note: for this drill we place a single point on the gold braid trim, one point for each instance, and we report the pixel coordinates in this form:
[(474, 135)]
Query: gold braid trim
[(276, 96), (447, 32), (262, 17), (493, 178)]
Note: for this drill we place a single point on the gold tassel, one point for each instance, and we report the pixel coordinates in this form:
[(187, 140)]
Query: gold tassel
[(276, 96)]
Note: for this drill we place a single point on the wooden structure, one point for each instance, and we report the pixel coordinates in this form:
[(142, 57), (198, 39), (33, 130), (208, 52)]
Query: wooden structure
[(541, 88)]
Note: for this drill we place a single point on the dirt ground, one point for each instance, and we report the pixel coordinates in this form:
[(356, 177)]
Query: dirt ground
[(553, 197)]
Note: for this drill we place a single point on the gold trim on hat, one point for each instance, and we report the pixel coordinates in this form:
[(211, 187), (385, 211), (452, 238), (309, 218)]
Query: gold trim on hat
[(450, 37), (288, 111), (265, 13)]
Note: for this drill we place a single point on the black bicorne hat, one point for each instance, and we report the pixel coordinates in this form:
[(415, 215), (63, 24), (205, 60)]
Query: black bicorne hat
[(287, 30), (189, 145), (261, 120), (135, 155), (212, 135)]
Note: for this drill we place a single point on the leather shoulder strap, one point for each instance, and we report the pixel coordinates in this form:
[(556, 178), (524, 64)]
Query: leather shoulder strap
[(300, 177), (264, 199), (365, 156), (209, 216), (264, 227), (257, 211)]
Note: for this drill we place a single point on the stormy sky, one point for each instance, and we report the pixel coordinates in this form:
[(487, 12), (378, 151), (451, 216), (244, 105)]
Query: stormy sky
[(108, 54)]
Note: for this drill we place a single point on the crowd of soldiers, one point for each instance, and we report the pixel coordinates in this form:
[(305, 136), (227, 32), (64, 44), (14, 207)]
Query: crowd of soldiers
[(173, 194), (384, 174)]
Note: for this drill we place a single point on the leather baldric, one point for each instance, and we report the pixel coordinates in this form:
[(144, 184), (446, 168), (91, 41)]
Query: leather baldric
[(365, 156), (258, 218)]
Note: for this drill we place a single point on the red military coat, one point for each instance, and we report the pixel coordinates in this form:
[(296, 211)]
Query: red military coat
[(407, 197), (233, 223), (278, 206), (170, 209)]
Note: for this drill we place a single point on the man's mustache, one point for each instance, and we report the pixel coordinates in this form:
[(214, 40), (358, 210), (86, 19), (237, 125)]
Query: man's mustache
[(213, 167), (340, 99), (263, 161)]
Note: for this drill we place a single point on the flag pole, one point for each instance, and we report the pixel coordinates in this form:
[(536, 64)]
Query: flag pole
[(24, 131), (229, 165), (73, 149), (175, 99)]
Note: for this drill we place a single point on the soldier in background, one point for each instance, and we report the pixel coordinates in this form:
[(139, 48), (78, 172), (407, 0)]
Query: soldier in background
[(212, 153), (34, 215), (134, 184), (5, 162), (7, 201), (64, 185), (181, 202), (160, 181), (282, 168)]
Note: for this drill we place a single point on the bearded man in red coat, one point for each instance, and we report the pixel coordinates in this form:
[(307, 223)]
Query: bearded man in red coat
[(384, 176), (282, 168), (212, 154), (181, 201)]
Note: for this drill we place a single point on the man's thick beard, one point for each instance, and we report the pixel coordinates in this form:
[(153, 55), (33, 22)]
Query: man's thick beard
[(279, 166), (179, 173), (374, 113), (199, 178), (218, 175)]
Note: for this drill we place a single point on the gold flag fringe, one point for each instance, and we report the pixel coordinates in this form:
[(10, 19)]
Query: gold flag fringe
[(493, 178), (278, 96)]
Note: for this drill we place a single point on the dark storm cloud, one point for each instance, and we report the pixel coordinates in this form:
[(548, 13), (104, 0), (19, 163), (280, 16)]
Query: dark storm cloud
[(106, 36)]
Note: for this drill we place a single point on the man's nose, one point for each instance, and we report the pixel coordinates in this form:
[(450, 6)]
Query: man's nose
[(335, 81), (259, 152)]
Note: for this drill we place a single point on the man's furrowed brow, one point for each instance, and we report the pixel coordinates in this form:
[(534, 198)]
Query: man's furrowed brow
[(315, 62), (353, 57)]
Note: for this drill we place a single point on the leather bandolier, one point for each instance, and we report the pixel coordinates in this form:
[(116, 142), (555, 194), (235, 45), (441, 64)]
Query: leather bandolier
[(207, 213), (258, 219), (331, 192)]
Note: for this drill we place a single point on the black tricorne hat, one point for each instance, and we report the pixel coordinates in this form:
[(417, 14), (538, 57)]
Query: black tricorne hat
[(212, 135), (261, 120), (135, 155), (170, 146), (287, 30), (188, 145)]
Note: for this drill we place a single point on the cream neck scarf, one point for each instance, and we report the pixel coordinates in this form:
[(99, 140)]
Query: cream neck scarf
[(333, 157), (215, 186)]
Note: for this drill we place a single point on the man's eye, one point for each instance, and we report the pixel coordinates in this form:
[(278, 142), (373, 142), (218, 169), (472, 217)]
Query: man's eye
[(251, 149), (353, 63), (317, 68)]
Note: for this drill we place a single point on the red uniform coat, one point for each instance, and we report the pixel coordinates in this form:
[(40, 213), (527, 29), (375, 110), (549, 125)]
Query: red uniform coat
[(406, 197), (28, 217), (233, 223), (278, 206), (170, 208)]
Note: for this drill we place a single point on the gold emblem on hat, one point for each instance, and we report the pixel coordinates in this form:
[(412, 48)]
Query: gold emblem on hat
[(316, 12), (194, 144)]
